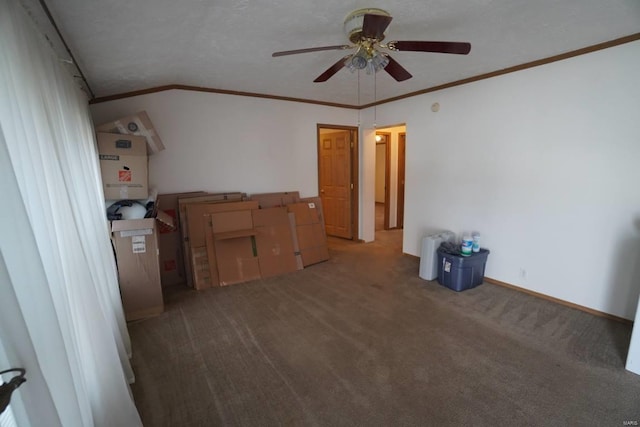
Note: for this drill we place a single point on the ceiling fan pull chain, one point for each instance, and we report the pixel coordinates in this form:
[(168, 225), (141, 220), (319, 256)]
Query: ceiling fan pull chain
[(375, 98), (358, 98)]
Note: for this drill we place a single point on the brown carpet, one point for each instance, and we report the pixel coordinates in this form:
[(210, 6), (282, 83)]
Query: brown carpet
[(362, 340)]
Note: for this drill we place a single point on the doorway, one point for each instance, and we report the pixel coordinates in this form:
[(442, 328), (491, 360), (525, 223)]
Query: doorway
[(402, 142), (338, 179), (382, 194), (390, 177)]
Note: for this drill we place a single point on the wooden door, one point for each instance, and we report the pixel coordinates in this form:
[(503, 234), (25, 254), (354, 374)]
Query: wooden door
[(334, 154), (401, 163)]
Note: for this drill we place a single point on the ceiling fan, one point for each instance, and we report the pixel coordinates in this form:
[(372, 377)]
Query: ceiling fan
[(365, 29)]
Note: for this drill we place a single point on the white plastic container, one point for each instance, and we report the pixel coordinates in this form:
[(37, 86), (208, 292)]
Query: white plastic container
[(428, 255), (475, 247), (467, 245)]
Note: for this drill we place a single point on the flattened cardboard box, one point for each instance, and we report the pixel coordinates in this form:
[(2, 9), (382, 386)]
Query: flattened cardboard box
[(201, 268), (274, 242), (312, 239), (237, 260), (136, 249), (138, 124), (318, 202), (198, 222), (231, 248), (172, 270), (294, 240), (270, 200), (123, 164), (183, 202), (205, 198)]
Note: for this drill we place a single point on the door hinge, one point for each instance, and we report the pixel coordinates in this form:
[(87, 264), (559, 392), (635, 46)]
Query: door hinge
[(352, 186), (351, 144)]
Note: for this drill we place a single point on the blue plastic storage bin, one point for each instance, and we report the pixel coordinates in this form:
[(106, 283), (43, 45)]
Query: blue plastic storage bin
[(459, 272)]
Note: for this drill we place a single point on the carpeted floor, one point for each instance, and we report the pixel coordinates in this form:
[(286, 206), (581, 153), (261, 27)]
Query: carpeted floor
[(362, 340)]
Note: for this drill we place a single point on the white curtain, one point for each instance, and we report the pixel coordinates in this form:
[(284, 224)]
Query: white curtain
[(68, 327)]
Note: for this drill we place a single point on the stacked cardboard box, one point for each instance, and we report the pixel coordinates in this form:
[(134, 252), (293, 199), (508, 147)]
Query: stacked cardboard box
[(138, 124), (136, 247), (123, 163), (123, 148)]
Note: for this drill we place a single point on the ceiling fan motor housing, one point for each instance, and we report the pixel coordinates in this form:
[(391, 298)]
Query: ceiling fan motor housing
[(353, 23)]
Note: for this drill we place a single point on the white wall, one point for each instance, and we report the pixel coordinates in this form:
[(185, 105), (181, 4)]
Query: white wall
[(544, 163), (217, 142)]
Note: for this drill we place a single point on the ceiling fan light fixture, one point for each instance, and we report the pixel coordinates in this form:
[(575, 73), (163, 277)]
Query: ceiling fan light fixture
[(376, 63), (358, 60), (379, 61)]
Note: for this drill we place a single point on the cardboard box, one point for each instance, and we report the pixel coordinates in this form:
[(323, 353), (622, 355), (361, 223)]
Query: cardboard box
[(123, 163), (312, 239), (136, 250), (205, 198), (270, 200), (197, 220), (201, 268), (236, 260), (231, 246), (274, 242), (318, 202), (294, 240), (138, 124), (183, 201), (172, 269)]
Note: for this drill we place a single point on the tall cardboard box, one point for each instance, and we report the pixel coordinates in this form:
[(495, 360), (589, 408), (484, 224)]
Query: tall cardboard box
[(136, 247), (123, 164)]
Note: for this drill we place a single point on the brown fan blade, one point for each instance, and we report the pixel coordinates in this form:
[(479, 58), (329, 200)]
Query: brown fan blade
[(310, 49), (331, 71), (373, 26), (459, 48), (396, 70)]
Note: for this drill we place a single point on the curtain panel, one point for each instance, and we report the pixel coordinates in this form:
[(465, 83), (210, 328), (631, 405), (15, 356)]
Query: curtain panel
[(65, 283)]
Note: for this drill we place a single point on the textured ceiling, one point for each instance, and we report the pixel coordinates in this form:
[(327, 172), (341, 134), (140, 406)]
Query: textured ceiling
[(128, 45)]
